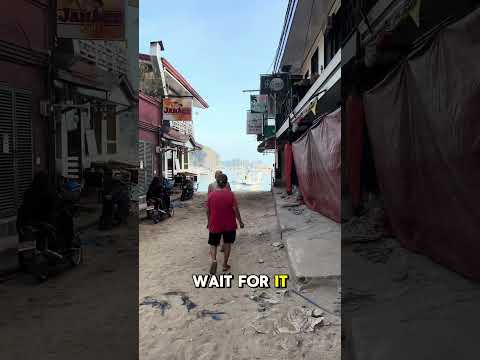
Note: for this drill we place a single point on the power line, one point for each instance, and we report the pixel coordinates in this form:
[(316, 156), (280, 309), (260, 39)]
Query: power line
[(288, 16)]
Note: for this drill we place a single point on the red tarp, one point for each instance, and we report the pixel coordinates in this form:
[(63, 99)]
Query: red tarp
[(424, 124), (287, 175), (317, 157), (355, 127)]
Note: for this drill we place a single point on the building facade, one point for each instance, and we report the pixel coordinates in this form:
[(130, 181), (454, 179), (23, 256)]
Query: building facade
[(308, 63), (164, 147), (25, 38)]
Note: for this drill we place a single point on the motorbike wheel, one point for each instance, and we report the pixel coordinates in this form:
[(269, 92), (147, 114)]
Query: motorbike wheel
[(76, 257), (40, 270)]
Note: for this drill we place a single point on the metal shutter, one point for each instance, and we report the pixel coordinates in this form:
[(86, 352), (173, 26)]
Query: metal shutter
[(148, 164), (16, 152), (140, 188), (7, 174), (23, 143)]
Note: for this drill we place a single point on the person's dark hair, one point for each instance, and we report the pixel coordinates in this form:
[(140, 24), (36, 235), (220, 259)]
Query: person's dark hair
[(155, 181), (222, 181)]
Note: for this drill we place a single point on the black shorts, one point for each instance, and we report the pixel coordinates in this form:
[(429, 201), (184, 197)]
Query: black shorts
[(228, 238)]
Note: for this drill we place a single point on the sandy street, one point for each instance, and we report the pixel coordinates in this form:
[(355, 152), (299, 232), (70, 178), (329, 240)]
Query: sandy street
[(265, 324), (82, 313)]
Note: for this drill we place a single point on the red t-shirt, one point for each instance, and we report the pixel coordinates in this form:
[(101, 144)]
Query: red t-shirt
[(222, 216)]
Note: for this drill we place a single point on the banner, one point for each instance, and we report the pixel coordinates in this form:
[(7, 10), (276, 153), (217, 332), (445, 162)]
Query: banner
[(258, 103), (177, 109), (254, 123), (91, 19)]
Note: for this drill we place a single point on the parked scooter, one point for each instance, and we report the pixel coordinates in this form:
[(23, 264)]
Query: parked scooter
[(160, 207), (44, 246), (157, 209), (187, 190)]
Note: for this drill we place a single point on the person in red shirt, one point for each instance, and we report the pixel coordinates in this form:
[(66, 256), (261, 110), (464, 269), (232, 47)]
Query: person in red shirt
[(222, 216)]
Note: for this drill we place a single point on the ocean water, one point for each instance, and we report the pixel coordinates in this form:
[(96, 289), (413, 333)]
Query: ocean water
[(265, 183)]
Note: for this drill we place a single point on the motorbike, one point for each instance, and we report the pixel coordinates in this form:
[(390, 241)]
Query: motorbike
[(157, 208), (187, 182), (187, 190), (43, 247)]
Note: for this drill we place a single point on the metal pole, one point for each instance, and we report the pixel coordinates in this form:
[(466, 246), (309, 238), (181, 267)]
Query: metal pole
[(52, 21)]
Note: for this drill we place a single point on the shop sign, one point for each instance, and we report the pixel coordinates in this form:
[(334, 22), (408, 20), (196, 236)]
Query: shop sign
[(177, 109), (268, 131), (258, 103), (254, 123), (274, 84), (91, 19)]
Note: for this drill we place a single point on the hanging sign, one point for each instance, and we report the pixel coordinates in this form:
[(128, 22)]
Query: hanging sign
[(254, 123), (177, 109), (274, 84), (258, 103), (91, 19)]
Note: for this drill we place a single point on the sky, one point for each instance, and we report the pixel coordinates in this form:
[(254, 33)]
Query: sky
[(221, 47)]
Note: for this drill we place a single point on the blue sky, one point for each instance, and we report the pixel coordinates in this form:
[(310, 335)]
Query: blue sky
[(220, 47)]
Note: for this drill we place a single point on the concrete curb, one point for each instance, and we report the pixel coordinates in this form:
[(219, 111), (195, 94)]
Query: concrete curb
[(311, 243), (276, 214)]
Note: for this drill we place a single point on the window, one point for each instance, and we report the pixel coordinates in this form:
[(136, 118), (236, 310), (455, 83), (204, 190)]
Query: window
[(314, 63), (97, 120), (332, 39), (180, 158), (111, 121)]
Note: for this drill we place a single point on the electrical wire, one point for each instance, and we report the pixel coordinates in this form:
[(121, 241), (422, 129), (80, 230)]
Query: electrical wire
[(288, 17)]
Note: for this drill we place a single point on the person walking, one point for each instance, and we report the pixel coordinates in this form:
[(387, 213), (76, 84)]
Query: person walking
[(212, 187), (222, 216)]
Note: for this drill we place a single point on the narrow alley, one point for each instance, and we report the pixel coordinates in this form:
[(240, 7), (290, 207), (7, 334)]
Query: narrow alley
[(181, 322)]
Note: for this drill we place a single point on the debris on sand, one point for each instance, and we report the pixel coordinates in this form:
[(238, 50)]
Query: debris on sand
[(174, 293), (156, 304), (189, 304), (278, 245), (365, 228), (264, 300), (299, 320), (215, 315)]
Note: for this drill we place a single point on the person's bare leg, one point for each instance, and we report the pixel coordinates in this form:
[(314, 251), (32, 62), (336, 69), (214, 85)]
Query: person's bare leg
[(226, 254), (222, 246), (213, 255)]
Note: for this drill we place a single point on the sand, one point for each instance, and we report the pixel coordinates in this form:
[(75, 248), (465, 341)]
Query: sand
[(173, 250)]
